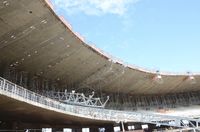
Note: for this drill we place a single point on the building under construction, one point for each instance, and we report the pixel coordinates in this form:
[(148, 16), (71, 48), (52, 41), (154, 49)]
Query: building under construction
[(51, 78)]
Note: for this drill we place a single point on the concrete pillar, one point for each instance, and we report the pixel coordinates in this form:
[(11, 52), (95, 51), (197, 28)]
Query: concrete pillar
[(151, 127), (138, 126), (77, 130), (121, 125), (94, 129), (125, 125), (109, 128), (57, 129)]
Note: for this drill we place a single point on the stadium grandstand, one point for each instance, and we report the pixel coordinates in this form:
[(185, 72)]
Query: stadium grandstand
[(52, 80)]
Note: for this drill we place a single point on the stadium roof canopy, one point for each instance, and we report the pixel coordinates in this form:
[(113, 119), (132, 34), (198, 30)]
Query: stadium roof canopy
[(34, 39)]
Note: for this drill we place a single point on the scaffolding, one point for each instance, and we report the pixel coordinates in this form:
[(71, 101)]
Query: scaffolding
[(75, 98), (16, 92)]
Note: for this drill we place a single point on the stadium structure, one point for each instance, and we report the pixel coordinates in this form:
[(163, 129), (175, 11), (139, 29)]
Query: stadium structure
[(52, 78)]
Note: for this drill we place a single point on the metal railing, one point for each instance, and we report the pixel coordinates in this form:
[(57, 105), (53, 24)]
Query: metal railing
[(12, 90)]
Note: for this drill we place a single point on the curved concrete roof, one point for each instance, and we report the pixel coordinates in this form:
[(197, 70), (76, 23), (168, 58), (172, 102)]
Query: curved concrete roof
[(34, 39)]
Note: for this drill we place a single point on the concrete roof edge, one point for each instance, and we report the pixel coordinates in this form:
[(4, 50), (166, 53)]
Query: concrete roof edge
[(107, 55)]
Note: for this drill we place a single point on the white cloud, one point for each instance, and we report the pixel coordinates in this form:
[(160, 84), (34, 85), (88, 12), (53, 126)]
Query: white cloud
[(95, 7)]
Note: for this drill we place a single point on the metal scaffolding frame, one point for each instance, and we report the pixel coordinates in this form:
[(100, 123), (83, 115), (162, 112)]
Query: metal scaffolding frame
[(19, 93), (77, 98)]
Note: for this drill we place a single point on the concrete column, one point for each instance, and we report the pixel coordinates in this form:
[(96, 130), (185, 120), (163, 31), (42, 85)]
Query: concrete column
[(151, 127), (121, 125), (77, 130), (94, 129), (125, 125), (109, 128), (138, 126), (57, 129)]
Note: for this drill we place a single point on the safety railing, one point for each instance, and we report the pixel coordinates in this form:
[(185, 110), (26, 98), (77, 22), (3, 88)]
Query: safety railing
[(12, 90)]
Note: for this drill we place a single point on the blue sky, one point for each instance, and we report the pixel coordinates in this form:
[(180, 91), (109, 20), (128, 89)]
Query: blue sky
[(154, 34)]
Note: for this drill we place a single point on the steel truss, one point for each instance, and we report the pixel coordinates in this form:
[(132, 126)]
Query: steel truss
[(77, 98)]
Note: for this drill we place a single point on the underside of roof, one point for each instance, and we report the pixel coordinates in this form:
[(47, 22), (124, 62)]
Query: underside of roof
[(34, 39)]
